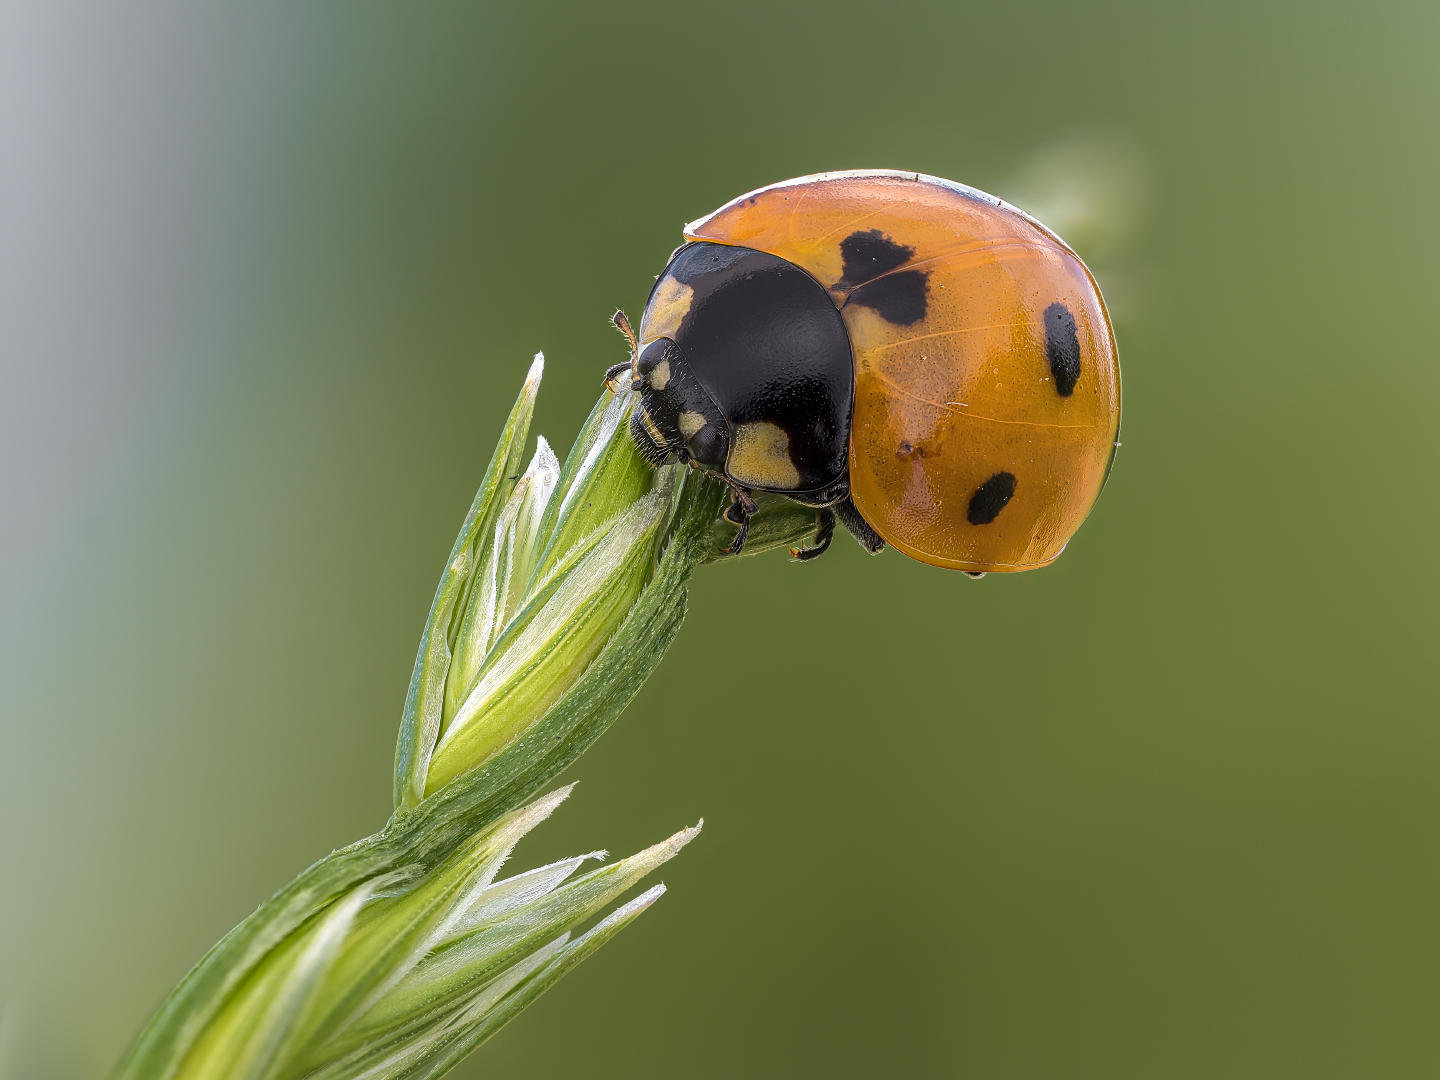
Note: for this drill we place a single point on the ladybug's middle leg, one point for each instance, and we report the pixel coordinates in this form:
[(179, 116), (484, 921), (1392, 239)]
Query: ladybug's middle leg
[(739, 514)]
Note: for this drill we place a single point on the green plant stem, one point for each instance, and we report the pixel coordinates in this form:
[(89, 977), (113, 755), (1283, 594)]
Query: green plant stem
[(339, 971)]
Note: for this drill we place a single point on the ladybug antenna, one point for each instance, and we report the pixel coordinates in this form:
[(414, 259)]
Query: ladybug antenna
[(612, 377), (623, 324)]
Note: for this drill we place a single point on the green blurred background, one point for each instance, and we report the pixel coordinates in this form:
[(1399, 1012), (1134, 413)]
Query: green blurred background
[(269, 278)]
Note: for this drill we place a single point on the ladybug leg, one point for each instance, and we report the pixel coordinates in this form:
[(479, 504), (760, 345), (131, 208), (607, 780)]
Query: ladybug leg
[(858, 527), (612, 377), (736, 516), (739, 513), (824, 531)]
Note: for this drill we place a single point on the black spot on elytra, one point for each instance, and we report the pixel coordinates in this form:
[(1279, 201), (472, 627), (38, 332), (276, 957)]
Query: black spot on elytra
[(897, 298), (869, 254), (870, 257), (1062, 346), (990, 498)]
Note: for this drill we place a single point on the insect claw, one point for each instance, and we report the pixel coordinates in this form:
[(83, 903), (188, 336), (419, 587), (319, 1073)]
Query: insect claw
[(612, 377)]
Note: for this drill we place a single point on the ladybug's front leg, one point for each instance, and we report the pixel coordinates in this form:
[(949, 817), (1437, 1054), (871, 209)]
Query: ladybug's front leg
[(612, 377), (738, 514)]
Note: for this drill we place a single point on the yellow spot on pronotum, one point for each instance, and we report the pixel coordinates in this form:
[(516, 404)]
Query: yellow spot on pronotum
[(760, 457), (666, 310), (660, 377)]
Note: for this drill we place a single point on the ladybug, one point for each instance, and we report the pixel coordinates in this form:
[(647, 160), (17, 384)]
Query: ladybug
[(921, 361)]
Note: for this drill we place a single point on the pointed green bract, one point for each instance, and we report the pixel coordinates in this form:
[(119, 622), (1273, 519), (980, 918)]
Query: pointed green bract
[(603, 476), (424, 704), (408, 964), (396, 932), (258, 1030), (504, 563), (465, 966), (539, 657), (549, 573), (436, 1045)]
